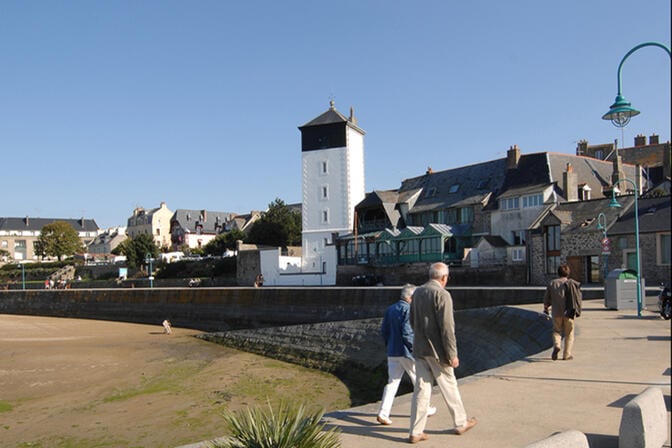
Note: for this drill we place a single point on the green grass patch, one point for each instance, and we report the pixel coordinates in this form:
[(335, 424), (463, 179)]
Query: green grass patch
[(5, 406), (170, 380)]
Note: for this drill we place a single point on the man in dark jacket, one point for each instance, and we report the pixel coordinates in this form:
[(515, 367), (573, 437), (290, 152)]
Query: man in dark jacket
[(555, 298), (435, 351), (398, 335)]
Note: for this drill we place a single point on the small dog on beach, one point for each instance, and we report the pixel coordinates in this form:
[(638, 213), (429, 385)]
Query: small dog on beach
[(166, 327)]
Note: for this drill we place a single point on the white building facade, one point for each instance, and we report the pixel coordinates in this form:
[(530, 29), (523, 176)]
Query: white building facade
[(332, 155), (332, 171)]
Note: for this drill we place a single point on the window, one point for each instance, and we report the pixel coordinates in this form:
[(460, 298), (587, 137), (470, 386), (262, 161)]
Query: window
[(4, 243), (534, 200), (664, 248), (431, 192), (509, 203), (518, 237), (518, 254), (324, 168), (599, 154), (325, 216), (584, 192), (466, 215), (451, 216), (483, 184), (552, 249), (324, 192), (454, 188), (552, 238)]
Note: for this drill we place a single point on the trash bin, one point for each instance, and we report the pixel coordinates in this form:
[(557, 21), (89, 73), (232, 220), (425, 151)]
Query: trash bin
[(620, 290)]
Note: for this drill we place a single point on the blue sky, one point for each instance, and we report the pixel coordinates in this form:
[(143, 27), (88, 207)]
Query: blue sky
[(109, 105)]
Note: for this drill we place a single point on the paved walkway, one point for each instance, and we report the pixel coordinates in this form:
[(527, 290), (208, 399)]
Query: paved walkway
[(617, 356)]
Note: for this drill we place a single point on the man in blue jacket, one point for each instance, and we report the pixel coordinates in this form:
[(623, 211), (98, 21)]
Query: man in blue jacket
[(398, 336)]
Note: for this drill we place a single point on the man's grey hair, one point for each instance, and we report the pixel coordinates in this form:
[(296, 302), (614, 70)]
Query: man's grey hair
[(407, 290), (438, 270)]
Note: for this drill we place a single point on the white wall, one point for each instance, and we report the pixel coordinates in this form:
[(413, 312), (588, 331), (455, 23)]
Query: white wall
[(287, 271)]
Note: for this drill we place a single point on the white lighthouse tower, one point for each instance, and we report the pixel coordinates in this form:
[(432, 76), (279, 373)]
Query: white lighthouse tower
[(332, 149)]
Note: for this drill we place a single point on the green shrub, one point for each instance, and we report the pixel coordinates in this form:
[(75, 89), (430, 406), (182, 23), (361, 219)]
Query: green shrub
[(288, 426)]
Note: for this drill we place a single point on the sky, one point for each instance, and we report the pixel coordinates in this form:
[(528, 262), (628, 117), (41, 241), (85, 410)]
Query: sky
[(106, 106)]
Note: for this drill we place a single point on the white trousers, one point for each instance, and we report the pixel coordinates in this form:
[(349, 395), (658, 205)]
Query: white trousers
[(429, 370), (396, 366)]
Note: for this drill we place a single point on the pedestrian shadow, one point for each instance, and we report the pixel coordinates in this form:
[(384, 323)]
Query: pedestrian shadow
[(602, 441), (364, 425)]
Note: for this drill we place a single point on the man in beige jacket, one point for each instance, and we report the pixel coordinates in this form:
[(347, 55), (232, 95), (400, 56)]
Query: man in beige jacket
[(435, 352)]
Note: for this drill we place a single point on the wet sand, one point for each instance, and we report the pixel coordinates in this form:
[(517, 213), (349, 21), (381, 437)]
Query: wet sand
[(84, 383)]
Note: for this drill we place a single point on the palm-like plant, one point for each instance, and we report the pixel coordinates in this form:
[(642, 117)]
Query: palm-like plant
[(288, 426)]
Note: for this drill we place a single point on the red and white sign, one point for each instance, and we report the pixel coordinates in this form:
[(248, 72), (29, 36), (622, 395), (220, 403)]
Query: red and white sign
[(606, 246)]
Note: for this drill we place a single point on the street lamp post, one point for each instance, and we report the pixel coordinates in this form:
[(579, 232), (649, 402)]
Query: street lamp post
[(148, 260), (23, 276), (615, 203), (621, 111), (606, 247)]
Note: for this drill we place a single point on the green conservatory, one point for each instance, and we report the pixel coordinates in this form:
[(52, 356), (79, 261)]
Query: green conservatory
[(413, 244)]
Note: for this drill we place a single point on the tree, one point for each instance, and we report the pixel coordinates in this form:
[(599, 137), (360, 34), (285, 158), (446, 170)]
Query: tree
[(137, 248), (58, 239), (280, 226), (222, 243)]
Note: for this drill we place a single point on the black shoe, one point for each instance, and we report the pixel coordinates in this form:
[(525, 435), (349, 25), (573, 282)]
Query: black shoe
[(554, 355)]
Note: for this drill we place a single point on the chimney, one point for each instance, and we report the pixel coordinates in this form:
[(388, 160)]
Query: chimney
[(640, 140), (582, 147), (27, 220), (429, 170), (618, 172), (352, 118), (512, 157), (569, 184), (653, 140)]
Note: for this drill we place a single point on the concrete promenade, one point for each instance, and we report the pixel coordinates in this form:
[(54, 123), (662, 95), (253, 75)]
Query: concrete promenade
[(617, 355)]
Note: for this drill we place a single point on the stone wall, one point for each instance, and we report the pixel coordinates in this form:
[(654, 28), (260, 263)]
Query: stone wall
[(416, 273), (355, 352), (213, 309)]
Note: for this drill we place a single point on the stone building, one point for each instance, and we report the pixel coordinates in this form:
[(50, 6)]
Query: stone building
[(575, 233), (155, 222)]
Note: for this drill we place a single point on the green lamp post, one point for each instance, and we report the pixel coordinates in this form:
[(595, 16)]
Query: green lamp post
[(602, 225), (621, 111), (620, 114), (615, 203)]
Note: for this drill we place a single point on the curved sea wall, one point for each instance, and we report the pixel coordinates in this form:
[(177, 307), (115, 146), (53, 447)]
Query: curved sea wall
[(354, 350)]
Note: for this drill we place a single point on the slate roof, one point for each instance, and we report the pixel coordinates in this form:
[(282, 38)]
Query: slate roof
[(654, 215), (475, 183), (331, 116), (495, 240), (582, 216), (36, 224), (545, 168), (213, 223)]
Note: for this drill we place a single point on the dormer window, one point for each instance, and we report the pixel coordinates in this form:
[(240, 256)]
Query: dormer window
[(584, 192), (454, 188), (483, 184), (431, 192)]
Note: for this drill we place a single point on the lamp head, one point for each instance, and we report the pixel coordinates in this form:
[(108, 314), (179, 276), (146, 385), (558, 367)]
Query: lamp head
[(614, 203), (620, 112)]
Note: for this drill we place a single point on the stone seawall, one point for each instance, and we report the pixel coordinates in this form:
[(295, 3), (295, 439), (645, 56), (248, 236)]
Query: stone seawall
[(355, 352), (215, 309)]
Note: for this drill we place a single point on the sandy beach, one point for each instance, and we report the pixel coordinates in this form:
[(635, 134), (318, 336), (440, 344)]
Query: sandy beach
[(85, 383)]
